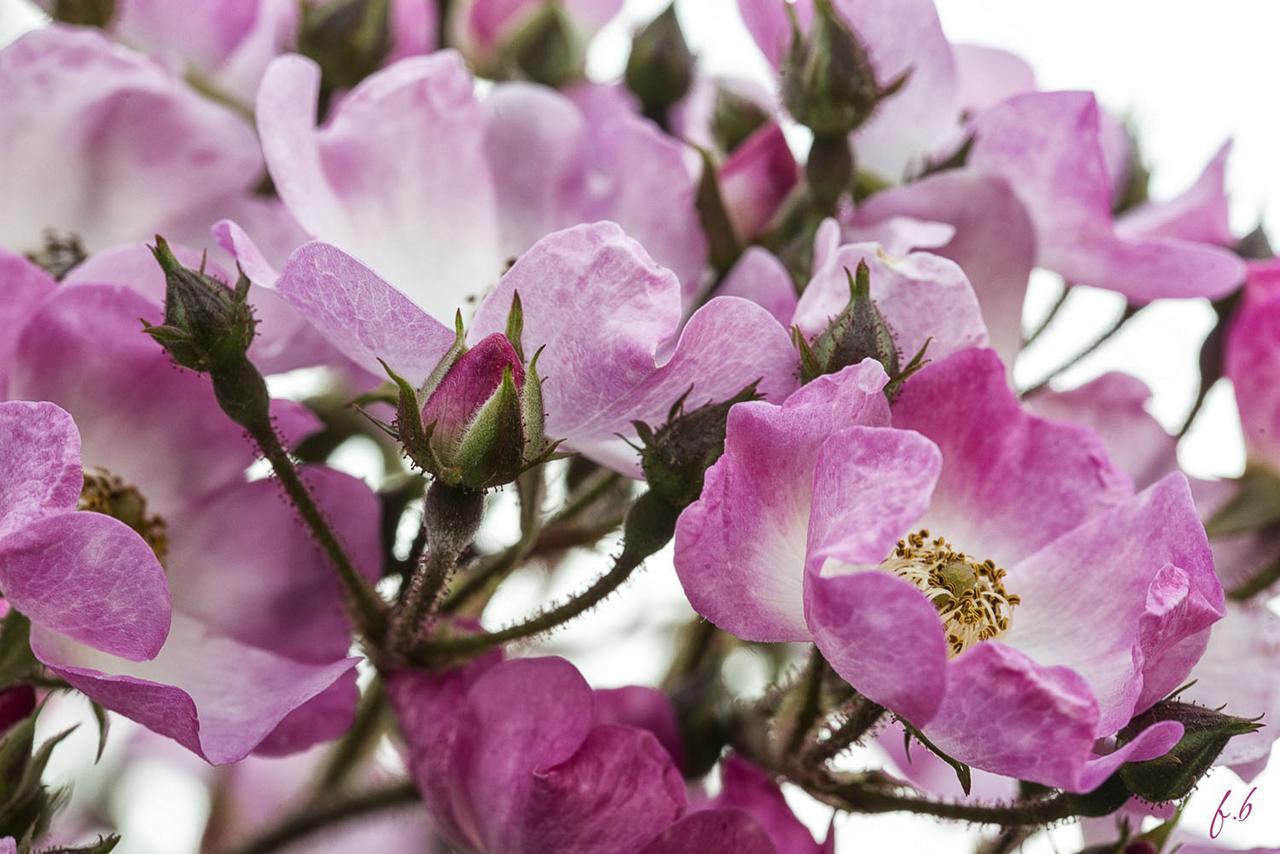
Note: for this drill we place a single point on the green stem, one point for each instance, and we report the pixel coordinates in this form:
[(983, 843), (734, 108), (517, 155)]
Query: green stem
[(358, 741), (1049, 318), (326, 814), (864, 715), (451, 517), (861, 796), (1104, 337), (806, 702), (367, 606), (650, 526)]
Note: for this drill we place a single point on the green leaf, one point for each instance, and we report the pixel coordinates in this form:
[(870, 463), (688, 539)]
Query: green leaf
[(17, 664), (962, 771), (1255, 505), (104, 725)]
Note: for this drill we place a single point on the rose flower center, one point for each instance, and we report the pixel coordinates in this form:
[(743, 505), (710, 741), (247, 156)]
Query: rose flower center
[(969, 594), (106, 493)]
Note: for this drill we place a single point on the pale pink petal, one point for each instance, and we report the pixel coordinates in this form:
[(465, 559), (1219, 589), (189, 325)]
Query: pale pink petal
[(1046, 145), (994, 241), (904, 35), (360, 314), (752, 586), (745, 787), (1243, 647), (760, 277), (397, 176), (1141, 581), (712, 830), (138, 414), (1115, 407), (185, 692), (608, 318), (414, 25), (988, 75), (769, 26), (107, 145), (1201, 214), (1252, 359), (922, 297), (23, 286), (40, 472), (228, 44)]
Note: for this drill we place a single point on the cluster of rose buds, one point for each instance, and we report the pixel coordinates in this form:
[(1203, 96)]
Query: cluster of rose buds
[(771, 328)]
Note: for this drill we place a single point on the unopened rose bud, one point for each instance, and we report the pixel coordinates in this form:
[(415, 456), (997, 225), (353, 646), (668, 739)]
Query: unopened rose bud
[(207, 324), (348, 39), (676, 456), (828, 82), (85, 13), (859, 332), (1173, 776), (546, 49), (660, 69), (734, 118), (477, 422)]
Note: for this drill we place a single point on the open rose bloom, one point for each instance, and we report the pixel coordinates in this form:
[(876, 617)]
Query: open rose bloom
[(528, 427)]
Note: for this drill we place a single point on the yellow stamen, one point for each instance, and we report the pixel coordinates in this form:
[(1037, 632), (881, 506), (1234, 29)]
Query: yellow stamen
[(106, 493), (969, 594)]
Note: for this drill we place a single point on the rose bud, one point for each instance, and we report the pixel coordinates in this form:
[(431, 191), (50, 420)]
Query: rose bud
[(477, 422)]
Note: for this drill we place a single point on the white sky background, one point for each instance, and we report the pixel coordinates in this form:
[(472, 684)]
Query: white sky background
[(1189, 74)]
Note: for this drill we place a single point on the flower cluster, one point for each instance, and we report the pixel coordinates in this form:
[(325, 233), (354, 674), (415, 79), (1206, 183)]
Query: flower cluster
[(306, 308)]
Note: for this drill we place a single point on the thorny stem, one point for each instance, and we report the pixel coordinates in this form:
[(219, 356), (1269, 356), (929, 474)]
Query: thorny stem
[(808, 700), (861, 718), (1104, 337), (369, 609), (650, 525), (858, 795), (451, 517), (534, 540), (328, 813)]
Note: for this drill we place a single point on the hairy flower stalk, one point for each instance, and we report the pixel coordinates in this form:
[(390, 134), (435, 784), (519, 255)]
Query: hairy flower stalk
[(208, 328)]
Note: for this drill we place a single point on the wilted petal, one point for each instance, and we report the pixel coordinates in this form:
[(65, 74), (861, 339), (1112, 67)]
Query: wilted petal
[(397, 176), (1046, 145), (109, 146), (752, 586)]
